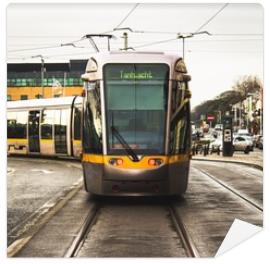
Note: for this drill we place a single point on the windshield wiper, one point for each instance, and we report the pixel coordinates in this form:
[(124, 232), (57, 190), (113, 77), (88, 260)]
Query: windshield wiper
[(125, 145)]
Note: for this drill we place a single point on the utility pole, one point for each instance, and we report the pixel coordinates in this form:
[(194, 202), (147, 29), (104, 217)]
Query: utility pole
[(42, 73), (183, 36), (64, 85), (42, 77), (125, 37)]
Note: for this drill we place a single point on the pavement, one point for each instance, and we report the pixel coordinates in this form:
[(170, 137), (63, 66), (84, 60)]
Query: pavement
[(254, 158)]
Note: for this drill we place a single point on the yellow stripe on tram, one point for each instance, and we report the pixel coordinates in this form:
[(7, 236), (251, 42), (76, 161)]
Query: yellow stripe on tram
[(18, 140), (77, 142), (128, 164), (47, 141)]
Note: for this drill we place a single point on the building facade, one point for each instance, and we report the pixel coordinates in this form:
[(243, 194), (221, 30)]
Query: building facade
[(33, 80), (248, 114)]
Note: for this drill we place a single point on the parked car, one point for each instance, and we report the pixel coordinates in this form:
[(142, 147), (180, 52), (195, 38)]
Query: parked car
[(219, 127), (248, 137), (260, 144), (243, 132), (256, 140), (241, 143), (216, 145)]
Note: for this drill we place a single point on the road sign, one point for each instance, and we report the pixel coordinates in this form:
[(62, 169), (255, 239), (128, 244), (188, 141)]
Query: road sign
[(210, 118)]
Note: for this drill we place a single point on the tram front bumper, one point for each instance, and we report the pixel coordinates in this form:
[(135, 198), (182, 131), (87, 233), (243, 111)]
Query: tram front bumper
[(168, 179)]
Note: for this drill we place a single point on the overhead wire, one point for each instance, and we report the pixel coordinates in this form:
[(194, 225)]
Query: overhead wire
[(128, 14), (212, 17), (155, 43), (49, 47), (151, 32)]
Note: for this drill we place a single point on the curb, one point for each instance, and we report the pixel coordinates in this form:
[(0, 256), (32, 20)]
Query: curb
[(256, 166), (40, 217)]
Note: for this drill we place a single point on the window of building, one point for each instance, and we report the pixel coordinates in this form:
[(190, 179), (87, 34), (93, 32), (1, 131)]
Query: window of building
[(9, 98), (24, 97), (38, 96)]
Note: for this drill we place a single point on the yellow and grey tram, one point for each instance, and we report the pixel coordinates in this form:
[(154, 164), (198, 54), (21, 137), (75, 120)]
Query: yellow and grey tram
[(136, 124), (47, 127)]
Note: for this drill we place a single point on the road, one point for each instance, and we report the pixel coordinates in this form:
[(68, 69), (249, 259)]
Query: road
[(145, 226), (31, 183)]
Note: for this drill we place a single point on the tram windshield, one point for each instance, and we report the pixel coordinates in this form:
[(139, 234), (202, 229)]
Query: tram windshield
[(136, 103)]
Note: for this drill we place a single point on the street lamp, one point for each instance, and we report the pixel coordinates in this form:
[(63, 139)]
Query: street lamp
[(219, 116), (42, 72)]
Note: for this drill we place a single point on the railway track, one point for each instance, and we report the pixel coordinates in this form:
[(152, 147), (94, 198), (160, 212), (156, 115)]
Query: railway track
[(83, 232), (183, 234), (240, 195), (98, 214)]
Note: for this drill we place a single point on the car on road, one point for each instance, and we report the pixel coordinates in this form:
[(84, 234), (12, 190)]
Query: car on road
[(241, 143)]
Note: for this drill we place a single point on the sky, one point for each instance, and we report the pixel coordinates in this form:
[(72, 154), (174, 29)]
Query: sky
[(215, 62)]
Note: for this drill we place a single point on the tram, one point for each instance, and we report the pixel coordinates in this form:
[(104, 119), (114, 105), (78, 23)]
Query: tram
[(131, 127), (45, 127), (136, 124)]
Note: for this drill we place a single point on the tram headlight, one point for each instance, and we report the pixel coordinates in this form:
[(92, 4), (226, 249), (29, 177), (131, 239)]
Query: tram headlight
[(155, 162), (116, 162)]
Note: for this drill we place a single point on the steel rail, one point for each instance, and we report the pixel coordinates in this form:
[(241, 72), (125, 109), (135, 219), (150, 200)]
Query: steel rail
[(78, 241), (231, 189), (183, 234)]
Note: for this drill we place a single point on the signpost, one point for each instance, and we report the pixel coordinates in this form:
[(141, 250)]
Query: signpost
[(227, 136), (210, 118)]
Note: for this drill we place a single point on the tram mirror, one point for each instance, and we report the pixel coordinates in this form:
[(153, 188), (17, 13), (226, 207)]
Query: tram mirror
[(186, 77), (188, 94), (84, 77), (90, 86), (180, 66)]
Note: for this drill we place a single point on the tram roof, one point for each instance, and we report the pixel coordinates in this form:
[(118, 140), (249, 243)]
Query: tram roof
[(41, 103), (135, 57)]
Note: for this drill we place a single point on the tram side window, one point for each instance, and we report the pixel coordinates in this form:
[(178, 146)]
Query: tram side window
[(92, 120), (77, 123), (47, 121), (178, 92), (60, 125), (17, 124), (180, 140)]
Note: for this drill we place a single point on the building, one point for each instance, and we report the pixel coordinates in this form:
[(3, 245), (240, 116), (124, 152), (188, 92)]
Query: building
[(25, 80), (248, 114)]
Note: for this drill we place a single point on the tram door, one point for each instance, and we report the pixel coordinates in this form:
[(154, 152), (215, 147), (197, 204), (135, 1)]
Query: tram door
[(60, 131), (33, 131)]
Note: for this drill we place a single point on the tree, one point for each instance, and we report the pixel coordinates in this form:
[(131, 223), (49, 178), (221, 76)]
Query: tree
[(247, 84), (241, 89)]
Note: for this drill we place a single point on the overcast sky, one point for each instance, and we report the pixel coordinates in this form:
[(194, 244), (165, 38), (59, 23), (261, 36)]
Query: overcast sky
[(214, 62)]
